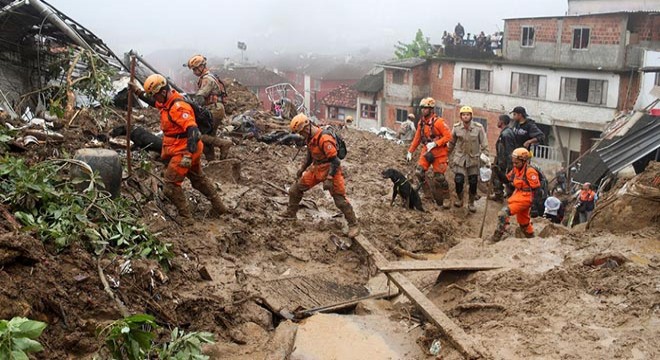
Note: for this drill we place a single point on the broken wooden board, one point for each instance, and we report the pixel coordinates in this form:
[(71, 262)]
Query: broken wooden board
[(449, 264), (462, 341), (298, 293)]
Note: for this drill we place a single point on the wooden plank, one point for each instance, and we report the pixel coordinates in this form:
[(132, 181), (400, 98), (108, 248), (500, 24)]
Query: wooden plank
[(462, 341), (424, 265)]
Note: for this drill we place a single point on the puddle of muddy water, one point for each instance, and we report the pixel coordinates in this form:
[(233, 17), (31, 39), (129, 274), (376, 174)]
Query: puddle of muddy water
[(347, 337)]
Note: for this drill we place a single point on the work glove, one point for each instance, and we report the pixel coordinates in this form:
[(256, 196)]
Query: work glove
[(408, 156), (186, 162), (193, 138), (431, 145), (135, 88), (327, 184), (485, 159)]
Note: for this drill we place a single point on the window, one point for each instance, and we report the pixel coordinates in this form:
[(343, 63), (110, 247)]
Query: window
[(580, 38), (527, 36), (473, 79), (657, 79), (483, 122), (584, 90), (398, 76), (528, 85), (440, 71), (332, 112), (368, 111), (401, 115)]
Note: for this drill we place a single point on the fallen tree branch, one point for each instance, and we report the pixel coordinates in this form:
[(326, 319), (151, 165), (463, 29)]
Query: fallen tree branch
[(403, 252), (478, 306), (10, 218), (122, 308)]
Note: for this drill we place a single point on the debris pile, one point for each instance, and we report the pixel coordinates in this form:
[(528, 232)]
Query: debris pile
[(240, 98)]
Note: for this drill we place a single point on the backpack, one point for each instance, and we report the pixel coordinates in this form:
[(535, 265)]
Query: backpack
[(203, 116), (540, 194), (341, 145)]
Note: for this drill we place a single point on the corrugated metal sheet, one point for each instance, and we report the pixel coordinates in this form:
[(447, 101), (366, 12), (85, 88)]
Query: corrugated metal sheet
[(637, 143)]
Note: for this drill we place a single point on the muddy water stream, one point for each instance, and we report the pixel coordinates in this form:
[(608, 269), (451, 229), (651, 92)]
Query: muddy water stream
[(346, 337)]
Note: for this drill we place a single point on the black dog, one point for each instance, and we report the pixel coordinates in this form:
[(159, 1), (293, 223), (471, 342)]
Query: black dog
[(403, 187)]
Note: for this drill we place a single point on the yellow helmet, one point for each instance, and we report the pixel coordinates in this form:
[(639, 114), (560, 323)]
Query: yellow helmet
[(428, 102), (466, 109), (521, 154), (195, 61), (349, 119), (154, 84), (298, 123)]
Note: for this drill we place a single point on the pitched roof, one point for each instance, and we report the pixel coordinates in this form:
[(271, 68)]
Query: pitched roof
[(343, 97), (344, 72), (370, 83), (251, 76), (408, 63)]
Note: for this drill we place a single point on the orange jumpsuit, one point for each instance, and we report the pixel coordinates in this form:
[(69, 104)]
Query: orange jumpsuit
[(520, 202), (434, 129), (322, 147), (175, 119)]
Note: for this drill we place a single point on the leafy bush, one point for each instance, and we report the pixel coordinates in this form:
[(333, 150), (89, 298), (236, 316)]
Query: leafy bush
[(132, 338), (46, 201), (185, 346), (17, 338)]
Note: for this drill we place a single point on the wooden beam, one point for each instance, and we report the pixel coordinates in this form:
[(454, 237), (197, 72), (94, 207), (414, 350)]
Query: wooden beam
[(462, 341), (424, 265)]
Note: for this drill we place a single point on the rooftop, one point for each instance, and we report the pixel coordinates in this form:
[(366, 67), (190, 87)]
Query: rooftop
[(343, 97), (251, 76), (370, 83)]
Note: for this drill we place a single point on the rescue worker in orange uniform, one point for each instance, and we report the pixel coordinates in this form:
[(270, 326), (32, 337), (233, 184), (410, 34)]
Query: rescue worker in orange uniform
[(525, 180), (210, 94), (182, 146), (321, 165), (586, 203), (433, 134)]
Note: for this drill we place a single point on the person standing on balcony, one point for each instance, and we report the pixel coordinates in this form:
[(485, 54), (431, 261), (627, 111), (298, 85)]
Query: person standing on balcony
[(525, 130)]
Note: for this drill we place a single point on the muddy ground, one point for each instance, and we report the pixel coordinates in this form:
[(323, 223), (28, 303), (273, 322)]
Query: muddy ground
[(546, 304)]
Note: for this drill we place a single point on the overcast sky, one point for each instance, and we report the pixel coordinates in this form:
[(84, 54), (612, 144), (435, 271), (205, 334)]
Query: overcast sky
[(328, 27)]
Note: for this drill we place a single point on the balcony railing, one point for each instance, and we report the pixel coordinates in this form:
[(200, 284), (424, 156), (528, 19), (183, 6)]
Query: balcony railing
[(545, 152)]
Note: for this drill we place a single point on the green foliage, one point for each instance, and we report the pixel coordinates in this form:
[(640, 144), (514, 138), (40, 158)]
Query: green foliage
[(45, 199), (184, 346), (132, 338), (17, 338), (419, 47), (6, 136)]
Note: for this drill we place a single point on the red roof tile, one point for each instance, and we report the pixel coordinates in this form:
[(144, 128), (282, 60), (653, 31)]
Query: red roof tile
[(343, 97)]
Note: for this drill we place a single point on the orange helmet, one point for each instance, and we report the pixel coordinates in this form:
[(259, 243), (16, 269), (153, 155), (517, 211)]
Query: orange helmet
[(428, 102), (466, 109), (154, 84), (521, 154), (195, 61), (298, 123)]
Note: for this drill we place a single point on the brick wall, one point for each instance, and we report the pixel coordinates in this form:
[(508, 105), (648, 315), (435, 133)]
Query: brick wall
[(647, 26), (545, 30), (605, 29), (442, 89), (627, 100)]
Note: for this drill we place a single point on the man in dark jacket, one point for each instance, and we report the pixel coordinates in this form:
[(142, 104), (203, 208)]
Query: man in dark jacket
[(525, 130), (504, 146)]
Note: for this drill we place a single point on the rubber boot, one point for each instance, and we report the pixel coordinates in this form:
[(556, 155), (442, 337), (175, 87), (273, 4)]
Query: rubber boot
[(224, 146), (497, 236), (524, 232), (178, 198), (209, 147), (471, 206), (347, 209), (204, 185), (459, 200), (295, 197), (446, 201)]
